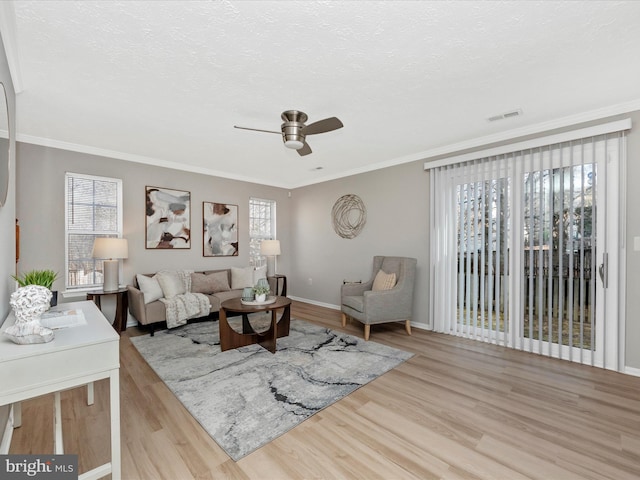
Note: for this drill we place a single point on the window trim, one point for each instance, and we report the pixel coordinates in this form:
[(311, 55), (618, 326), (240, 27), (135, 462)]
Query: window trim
[(572, 135), (71, 289), (258, 260)]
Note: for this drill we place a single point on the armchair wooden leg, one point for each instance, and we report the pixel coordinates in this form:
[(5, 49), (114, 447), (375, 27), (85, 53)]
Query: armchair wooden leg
[(367, 331), (407, 326), (344, 320)]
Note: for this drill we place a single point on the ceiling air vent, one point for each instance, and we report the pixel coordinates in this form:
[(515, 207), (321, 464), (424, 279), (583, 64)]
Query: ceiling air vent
[(502, 116)]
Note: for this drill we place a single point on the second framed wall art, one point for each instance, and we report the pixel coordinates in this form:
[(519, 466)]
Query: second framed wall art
[(220, 225)]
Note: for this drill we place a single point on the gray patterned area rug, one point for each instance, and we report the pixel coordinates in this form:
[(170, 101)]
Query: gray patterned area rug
[(246, 397)]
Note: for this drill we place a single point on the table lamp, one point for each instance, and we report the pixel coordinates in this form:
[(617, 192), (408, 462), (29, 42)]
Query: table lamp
[(270, 248), (110, 249)]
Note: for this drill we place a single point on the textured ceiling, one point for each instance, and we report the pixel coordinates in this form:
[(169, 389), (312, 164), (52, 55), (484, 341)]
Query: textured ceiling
[(165, 82)]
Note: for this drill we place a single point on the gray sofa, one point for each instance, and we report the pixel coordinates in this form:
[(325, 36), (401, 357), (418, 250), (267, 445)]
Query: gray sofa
[(153, 312)]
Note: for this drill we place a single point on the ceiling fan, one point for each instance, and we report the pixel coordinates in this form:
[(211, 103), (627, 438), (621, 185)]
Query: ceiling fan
[(294, 131)]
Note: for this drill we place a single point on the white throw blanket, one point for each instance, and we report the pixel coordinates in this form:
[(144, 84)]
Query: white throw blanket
[(184, 306), (179, 308)]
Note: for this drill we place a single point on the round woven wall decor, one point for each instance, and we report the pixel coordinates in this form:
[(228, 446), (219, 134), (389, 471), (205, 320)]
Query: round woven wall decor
[(349, 216)]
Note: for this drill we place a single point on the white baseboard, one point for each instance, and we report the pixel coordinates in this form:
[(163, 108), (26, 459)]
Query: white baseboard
[(313, 302), (421, 326), (418, 325), (131, 321), (632, 371)]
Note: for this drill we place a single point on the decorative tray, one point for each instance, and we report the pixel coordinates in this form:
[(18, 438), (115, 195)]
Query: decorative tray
[(253, 302)]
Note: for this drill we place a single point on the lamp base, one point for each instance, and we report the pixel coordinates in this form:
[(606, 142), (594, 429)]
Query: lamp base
[(271, 266), (111, 280)]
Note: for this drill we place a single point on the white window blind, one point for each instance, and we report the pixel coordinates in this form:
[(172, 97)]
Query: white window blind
[(93, 208), (262, 226), (516, 246)]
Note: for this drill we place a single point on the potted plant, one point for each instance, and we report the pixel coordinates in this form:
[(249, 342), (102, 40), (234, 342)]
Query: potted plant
[(44, 278), (261, 292)]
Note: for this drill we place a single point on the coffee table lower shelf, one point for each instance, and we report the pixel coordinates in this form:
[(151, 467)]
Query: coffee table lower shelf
[(230, 338)]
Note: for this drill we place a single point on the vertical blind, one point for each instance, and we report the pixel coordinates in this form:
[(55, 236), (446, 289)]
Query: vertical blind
[(519, 242)]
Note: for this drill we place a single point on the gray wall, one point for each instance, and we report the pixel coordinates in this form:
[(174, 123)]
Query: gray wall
[(397, 203), (40, 209), (7, 215), (8, 211), (632, 229)]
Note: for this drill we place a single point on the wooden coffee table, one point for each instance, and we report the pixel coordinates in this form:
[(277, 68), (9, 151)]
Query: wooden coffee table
[(229, 338)]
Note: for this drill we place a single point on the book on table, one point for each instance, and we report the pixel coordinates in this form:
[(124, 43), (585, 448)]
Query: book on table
[(63, 319)]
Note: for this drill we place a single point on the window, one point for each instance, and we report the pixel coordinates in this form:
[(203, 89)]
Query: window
[(262, 226), (93, 209)]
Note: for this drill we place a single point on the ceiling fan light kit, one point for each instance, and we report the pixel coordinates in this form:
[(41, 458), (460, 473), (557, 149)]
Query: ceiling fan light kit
[(294, 131), (293, 142)]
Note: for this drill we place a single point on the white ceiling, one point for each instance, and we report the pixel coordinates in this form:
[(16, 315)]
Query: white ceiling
[(165, 82)]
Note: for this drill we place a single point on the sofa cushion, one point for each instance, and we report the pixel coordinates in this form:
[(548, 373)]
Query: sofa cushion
[(171, 284), (209, 283), (150, 287), (214, 302), (241, 277), (384, 281), (222, 296)]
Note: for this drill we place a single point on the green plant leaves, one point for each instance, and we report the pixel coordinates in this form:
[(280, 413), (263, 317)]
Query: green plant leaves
[(44, 278)]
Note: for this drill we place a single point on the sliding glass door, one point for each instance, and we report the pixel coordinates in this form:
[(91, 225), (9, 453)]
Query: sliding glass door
[(525, 250)]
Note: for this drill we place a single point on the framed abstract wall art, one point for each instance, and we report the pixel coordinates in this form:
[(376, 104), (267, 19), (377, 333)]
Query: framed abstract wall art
[(168, 215), (220, 229)]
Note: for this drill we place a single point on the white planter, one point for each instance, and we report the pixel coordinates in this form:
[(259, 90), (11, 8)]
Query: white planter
[(261, 298)]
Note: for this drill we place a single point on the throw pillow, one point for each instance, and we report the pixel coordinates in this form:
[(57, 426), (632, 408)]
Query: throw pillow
[(171, 284), (384, 281), (209, 283), (241, 277), (150, 288)]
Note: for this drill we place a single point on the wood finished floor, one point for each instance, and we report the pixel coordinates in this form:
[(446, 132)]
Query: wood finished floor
[(457, 410)]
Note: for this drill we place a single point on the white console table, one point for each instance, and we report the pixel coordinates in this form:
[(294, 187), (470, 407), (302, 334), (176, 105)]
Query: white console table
[(77, 356)]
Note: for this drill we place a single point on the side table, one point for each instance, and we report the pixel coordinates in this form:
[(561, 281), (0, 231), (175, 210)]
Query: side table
[(283, 292), (122, 305)]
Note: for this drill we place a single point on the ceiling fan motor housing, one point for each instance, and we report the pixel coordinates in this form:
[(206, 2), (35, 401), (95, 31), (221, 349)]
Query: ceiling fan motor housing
[(291, 128), (292, 136)]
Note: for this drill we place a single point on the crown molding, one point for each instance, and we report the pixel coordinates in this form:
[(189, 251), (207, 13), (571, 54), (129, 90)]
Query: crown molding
[(478, 142), (130, 157)]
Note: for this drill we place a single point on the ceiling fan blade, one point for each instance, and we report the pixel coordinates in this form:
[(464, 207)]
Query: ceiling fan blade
[(257, 130), (322, 126), (305, 150)]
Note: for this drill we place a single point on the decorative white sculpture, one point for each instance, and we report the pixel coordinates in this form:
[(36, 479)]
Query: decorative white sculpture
[(29, 303)]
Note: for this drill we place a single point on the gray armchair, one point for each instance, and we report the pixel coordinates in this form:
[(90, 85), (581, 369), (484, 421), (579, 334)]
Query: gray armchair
[(359, 301)]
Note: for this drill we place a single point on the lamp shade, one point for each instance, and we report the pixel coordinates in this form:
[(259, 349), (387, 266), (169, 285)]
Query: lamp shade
[(110, 248), (270, 247)]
